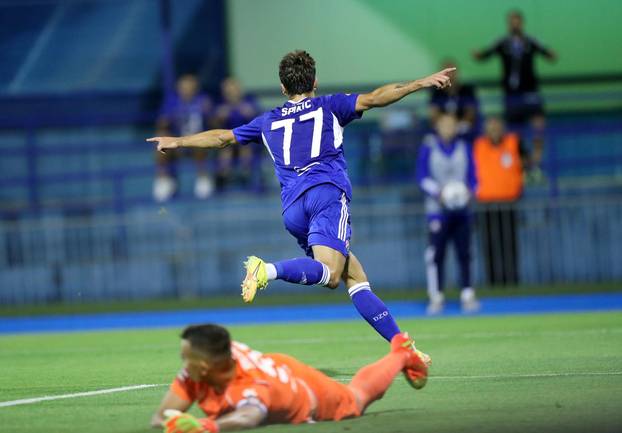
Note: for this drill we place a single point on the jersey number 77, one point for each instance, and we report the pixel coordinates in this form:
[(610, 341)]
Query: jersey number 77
[(288, 124)]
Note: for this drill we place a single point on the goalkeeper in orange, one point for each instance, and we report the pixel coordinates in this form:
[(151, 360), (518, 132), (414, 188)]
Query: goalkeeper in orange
[(239, 388)]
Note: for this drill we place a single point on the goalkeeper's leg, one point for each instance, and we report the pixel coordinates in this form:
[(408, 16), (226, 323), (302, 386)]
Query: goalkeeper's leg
[(372, 381)]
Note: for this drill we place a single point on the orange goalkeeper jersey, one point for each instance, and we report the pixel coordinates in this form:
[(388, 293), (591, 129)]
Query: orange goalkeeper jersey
[(287, 390)]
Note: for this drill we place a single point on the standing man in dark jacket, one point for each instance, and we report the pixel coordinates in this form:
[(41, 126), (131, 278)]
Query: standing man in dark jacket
[(523, 102)]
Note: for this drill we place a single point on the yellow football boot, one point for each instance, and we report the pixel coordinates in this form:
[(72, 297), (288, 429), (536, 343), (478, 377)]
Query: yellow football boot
[(256, 278)]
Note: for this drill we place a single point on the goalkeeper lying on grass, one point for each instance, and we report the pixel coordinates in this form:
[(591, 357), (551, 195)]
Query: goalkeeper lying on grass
[(240, 388)]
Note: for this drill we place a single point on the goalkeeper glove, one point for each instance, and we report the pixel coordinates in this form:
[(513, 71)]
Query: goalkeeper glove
[(179, 422)]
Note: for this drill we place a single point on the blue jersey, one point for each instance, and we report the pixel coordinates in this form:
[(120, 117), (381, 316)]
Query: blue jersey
[(305, 141)]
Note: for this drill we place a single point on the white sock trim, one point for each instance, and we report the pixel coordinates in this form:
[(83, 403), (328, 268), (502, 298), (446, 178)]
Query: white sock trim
[(325, 275), (359, 287), (271, 271)]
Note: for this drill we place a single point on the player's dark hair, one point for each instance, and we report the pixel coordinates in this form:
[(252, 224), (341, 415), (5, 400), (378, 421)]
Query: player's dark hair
[(212, 340), (297, 72)]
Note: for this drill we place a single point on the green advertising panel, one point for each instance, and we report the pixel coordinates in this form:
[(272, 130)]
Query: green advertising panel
[(370, 41)]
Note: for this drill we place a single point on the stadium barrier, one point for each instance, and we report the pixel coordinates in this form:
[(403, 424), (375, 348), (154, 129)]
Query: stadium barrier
[(197, 251)]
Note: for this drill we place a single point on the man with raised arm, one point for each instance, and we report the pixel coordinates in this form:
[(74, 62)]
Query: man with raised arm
[(304, 138)]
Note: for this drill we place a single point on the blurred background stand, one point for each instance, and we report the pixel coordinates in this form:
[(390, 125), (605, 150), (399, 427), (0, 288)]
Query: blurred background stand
[(82, 85)]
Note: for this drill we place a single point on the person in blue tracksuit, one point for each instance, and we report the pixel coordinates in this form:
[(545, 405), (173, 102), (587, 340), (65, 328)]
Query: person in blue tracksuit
[(446, 175)]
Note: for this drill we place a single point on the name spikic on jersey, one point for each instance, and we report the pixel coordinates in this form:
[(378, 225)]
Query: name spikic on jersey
[(286, 111)]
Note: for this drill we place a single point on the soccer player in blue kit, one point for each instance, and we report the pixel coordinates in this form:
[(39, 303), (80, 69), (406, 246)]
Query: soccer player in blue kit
[(304, 138)]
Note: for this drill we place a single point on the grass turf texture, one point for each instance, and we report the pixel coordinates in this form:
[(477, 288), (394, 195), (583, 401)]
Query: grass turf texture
[(517, 373)]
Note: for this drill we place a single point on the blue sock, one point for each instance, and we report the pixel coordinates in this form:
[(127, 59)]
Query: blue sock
[(303, 270), (373, 310)]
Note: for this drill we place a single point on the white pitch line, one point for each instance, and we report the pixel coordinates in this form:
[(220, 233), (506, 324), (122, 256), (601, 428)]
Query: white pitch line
[(528, 376), (75, 395), (346, 378), (338, 378)]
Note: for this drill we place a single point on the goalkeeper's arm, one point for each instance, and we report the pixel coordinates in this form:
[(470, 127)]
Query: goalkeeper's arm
[(246, 417), (170, 401), (391, 93)]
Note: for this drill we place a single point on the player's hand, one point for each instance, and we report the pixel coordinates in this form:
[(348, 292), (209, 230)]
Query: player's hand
[(180, 422), (440, 80), (166, 143)]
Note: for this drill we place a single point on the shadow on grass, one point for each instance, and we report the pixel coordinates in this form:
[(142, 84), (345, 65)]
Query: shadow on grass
[(334, 373)]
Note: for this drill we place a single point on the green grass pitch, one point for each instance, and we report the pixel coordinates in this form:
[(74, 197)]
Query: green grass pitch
[(523, 374)]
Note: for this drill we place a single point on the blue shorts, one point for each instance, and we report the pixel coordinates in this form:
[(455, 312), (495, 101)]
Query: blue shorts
[(320, 216)]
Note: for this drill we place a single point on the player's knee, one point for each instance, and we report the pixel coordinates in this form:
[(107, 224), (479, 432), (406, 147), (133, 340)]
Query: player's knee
[(334, 280), (335, 270)]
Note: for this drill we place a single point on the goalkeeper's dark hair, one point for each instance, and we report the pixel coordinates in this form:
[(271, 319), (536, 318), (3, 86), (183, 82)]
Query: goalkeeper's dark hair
[(297, 72), (211, 340)]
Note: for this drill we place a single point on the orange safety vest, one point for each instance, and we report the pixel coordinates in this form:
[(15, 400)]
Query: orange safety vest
[(499, 169)]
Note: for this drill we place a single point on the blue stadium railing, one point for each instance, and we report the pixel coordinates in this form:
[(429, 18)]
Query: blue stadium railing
[(197, 250)]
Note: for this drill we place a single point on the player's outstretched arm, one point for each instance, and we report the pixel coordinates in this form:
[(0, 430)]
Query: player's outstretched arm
[(214, 138), (391, 93), (170, 401), (243, 418), (240, 419)]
